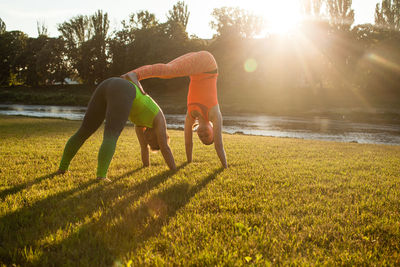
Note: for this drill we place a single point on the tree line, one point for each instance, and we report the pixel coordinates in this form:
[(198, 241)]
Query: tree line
[(327, 50)]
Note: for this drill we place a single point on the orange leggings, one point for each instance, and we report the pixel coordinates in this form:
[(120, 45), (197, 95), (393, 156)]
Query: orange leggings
[(186, 65)]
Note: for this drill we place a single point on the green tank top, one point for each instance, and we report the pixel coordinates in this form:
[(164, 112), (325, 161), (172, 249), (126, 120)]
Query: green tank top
[(143, 110)]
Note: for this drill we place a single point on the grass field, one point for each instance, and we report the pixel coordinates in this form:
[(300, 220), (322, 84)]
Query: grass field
[(282, 201)]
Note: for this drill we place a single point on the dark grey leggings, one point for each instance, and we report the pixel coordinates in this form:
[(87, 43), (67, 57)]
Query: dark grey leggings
[(112, 100)]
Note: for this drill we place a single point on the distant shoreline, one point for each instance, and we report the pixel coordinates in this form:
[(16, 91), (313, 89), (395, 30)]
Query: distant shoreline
[(79, 96)]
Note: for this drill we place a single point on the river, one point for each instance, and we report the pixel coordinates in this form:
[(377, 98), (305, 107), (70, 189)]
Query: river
[(277, 126)]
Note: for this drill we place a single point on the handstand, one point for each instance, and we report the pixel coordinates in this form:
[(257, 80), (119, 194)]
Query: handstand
[(202, 102)]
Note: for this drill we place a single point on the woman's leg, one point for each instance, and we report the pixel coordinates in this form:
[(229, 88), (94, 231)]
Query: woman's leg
[(186, 65), (120, 95), (94, 117)]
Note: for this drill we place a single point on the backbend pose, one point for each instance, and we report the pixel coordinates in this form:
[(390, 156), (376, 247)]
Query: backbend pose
[(116, 100), (202, 102)]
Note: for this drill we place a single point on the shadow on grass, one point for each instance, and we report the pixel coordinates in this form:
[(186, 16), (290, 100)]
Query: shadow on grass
[(152, 181), (174, 198), (123, 228), (23, 229), (13, 190)]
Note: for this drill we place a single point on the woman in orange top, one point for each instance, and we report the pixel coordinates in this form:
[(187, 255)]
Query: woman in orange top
[(202, 101)]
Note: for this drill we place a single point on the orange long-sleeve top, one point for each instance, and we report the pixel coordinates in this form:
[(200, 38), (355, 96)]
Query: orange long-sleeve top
[(200, 67)]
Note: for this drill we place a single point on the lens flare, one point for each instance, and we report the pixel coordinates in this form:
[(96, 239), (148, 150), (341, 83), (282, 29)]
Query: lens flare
[(384, 62), (250, 65)]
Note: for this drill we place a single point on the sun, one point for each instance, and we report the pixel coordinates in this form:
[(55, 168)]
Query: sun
[(280, 16), (285, 18)]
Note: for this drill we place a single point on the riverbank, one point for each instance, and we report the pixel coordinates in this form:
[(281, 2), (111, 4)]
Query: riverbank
[(282, 201), (314, 128), (173, 101)]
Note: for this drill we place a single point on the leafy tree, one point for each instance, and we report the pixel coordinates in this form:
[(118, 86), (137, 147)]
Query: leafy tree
[(118, 56), (137, 21), (312, 8), (33, 47), (235, 28), (41, 28), (229, 21), (2, 26), (51, 62), (368, 34), (387, 14), (12, 46), (341, 14), (146, 36), (143, 20), (86, 39), (87, 61), (100, 24), (148, 46), (179, 14), (131, 45), (175, 29), (341, 51), (143, 40), (75, 32), (123, 40)]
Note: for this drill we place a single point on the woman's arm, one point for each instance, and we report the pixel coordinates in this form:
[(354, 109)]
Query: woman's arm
[(189, 137), (144, 149), (216, 116), (160, 128)]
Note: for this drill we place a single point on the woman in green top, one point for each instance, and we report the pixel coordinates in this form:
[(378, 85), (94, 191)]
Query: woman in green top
[(116, 100)]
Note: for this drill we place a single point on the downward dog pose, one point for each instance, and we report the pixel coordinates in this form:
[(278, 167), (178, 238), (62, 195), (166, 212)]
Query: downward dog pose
[(202, 102), (116, 100)]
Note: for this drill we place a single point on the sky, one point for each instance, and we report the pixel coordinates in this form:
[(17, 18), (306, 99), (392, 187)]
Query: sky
[(23, 15)]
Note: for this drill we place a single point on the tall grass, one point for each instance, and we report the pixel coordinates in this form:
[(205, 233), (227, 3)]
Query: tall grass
[(282, 201)]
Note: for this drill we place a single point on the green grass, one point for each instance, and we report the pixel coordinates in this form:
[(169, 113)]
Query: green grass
[(282, 201)]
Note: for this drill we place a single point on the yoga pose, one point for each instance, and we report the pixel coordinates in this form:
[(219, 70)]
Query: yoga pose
[(202, 102), (116, 100)]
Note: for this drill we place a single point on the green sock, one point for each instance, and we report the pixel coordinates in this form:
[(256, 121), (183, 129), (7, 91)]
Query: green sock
[(71, 148), (106, 153)]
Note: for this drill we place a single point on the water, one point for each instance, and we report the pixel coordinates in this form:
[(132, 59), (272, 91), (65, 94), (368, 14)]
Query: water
[(278, 126), (64, 112)]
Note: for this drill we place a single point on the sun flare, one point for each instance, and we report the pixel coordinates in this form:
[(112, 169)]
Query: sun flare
[(280, 17)]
